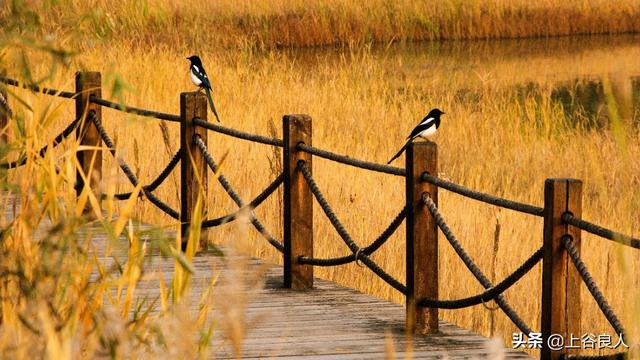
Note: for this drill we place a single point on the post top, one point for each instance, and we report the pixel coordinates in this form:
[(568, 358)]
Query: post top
[(562, 180), (87, 75), (422, 143), (296, 117), (187, 94)]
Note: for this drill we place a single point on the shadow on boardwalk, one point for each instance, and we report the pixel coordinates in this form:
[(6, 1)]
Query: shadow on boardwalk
[(329, 321)]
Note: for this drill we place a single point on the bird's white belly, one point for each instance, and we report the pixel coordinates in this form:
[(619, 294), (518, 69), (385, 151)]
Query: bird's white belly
[(194, 78), (428, 132)]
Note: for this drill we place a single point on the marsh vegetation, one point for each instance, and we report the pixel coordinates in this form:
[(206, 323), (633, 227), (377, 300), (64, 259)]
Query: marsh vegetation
[(517, 112)]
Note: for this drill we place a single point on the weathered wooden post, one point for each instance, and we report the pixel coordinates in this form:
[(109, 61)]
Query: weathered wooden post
[(88, 84), (298, 204), (422, 238), (560, 279), (193, 166), (4, 112)]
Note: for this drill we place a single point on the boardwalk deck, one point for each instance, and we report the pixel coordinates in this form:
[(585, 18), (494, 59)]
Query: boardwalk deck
[(328, 322)]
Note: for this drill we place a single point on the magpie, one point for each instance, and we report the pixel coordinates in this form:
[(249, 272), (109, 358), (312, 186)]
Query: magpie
[(426, 128), (199, 78)]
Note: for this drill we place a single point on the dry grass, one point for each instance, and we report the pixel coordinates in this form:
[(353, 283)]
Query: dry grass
[(495, 138), (64, 297), (287, 23)]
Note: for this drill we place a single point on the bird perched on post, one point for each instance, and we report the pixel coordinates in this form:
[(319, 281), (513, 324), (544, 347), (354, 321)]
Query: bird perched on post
[(199, 78), (426, 128)]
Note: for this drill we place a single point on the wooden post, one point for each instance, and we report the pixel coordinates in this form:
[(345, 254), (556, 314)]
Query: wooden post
[(298, 204), (560, 279), (4, 112), (422, 238), (88, 84), (193, 166)]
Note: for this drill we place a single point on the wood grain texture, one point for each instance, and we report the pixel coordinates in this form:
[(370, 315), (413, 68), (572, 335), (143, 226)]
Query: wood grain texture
[(87, 84), (326, 322), (298, 203), (422, 238), (193, 166), (560, 280)]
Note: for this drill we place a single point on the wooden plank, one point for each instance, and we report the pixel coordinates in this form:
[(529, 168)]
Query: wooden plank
[(89, 84), (298, 203), (328, 321), (422, 238), (560, 280), (193, 167)]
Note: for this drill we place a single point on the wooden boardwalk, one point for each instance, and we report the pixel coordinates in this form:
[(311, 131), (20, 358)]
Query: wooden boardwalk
[(328, 322)]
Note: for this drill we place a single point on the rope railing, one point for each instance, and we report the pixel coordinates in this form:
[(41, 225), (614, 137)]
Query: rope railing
[(235, 197), (249, 207), (132, 110), (601, 231), (159, 180), (298, 159), (368, 250), (41, 153), (604, 306), (344, 235), (43, 90), (387, 169), (238, 134), (127, 170), (471, 265), (4, 106), (489, 294), (483, 197)]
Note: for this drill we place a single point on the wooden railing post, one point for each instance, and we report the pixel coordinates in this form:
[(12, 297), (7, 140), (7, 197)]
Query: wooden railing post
[(298, 204), (422, 238), (560, 280), (193, 166), (88, 84)]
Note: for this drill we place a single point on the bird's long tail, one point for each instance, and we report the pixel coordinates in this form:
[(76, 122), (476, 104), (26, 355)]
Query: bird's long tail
[(213, 107), (404, 147)]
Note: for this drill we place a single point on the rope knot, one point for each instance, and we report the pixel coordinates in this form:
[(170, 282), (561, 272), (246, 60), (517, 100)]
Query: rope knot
[(357, 256)]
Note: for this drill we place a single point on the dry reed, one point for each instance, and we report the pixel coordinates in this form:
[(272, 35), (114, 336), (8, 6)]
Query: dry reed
[(498, 136)]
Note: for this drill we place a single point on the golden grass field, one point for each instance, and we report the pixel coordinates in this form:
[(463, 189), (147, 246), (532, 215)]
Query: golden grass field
[(286, 23), (364, 100)]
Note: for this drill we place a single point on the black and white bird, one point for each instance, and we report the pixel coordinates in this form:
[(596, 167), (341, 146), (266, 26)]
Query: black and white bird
[(426, 128), (199, 77)]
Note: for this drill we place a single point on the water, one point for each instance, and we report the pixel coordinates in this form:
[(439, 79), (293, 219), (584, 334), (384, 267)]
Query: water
[(574, 71)]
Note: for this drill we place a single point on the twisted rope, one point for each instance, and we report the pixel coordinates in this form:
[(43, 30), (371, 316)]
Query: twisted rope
[(159, 180), (471, 265), (567, 241), (252, 205), (387, 169), (238, 134), (56, 141), (375, 245), (127, 171), (489, 294), (355, 249), (132, 110), (484, 197), (235, 197), (44, 90), (4, 104), (568, 218)]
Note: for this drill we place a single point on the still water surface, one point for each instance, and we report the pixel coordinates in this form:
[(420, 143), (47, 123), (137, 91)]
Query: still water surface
[(574, 71)]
